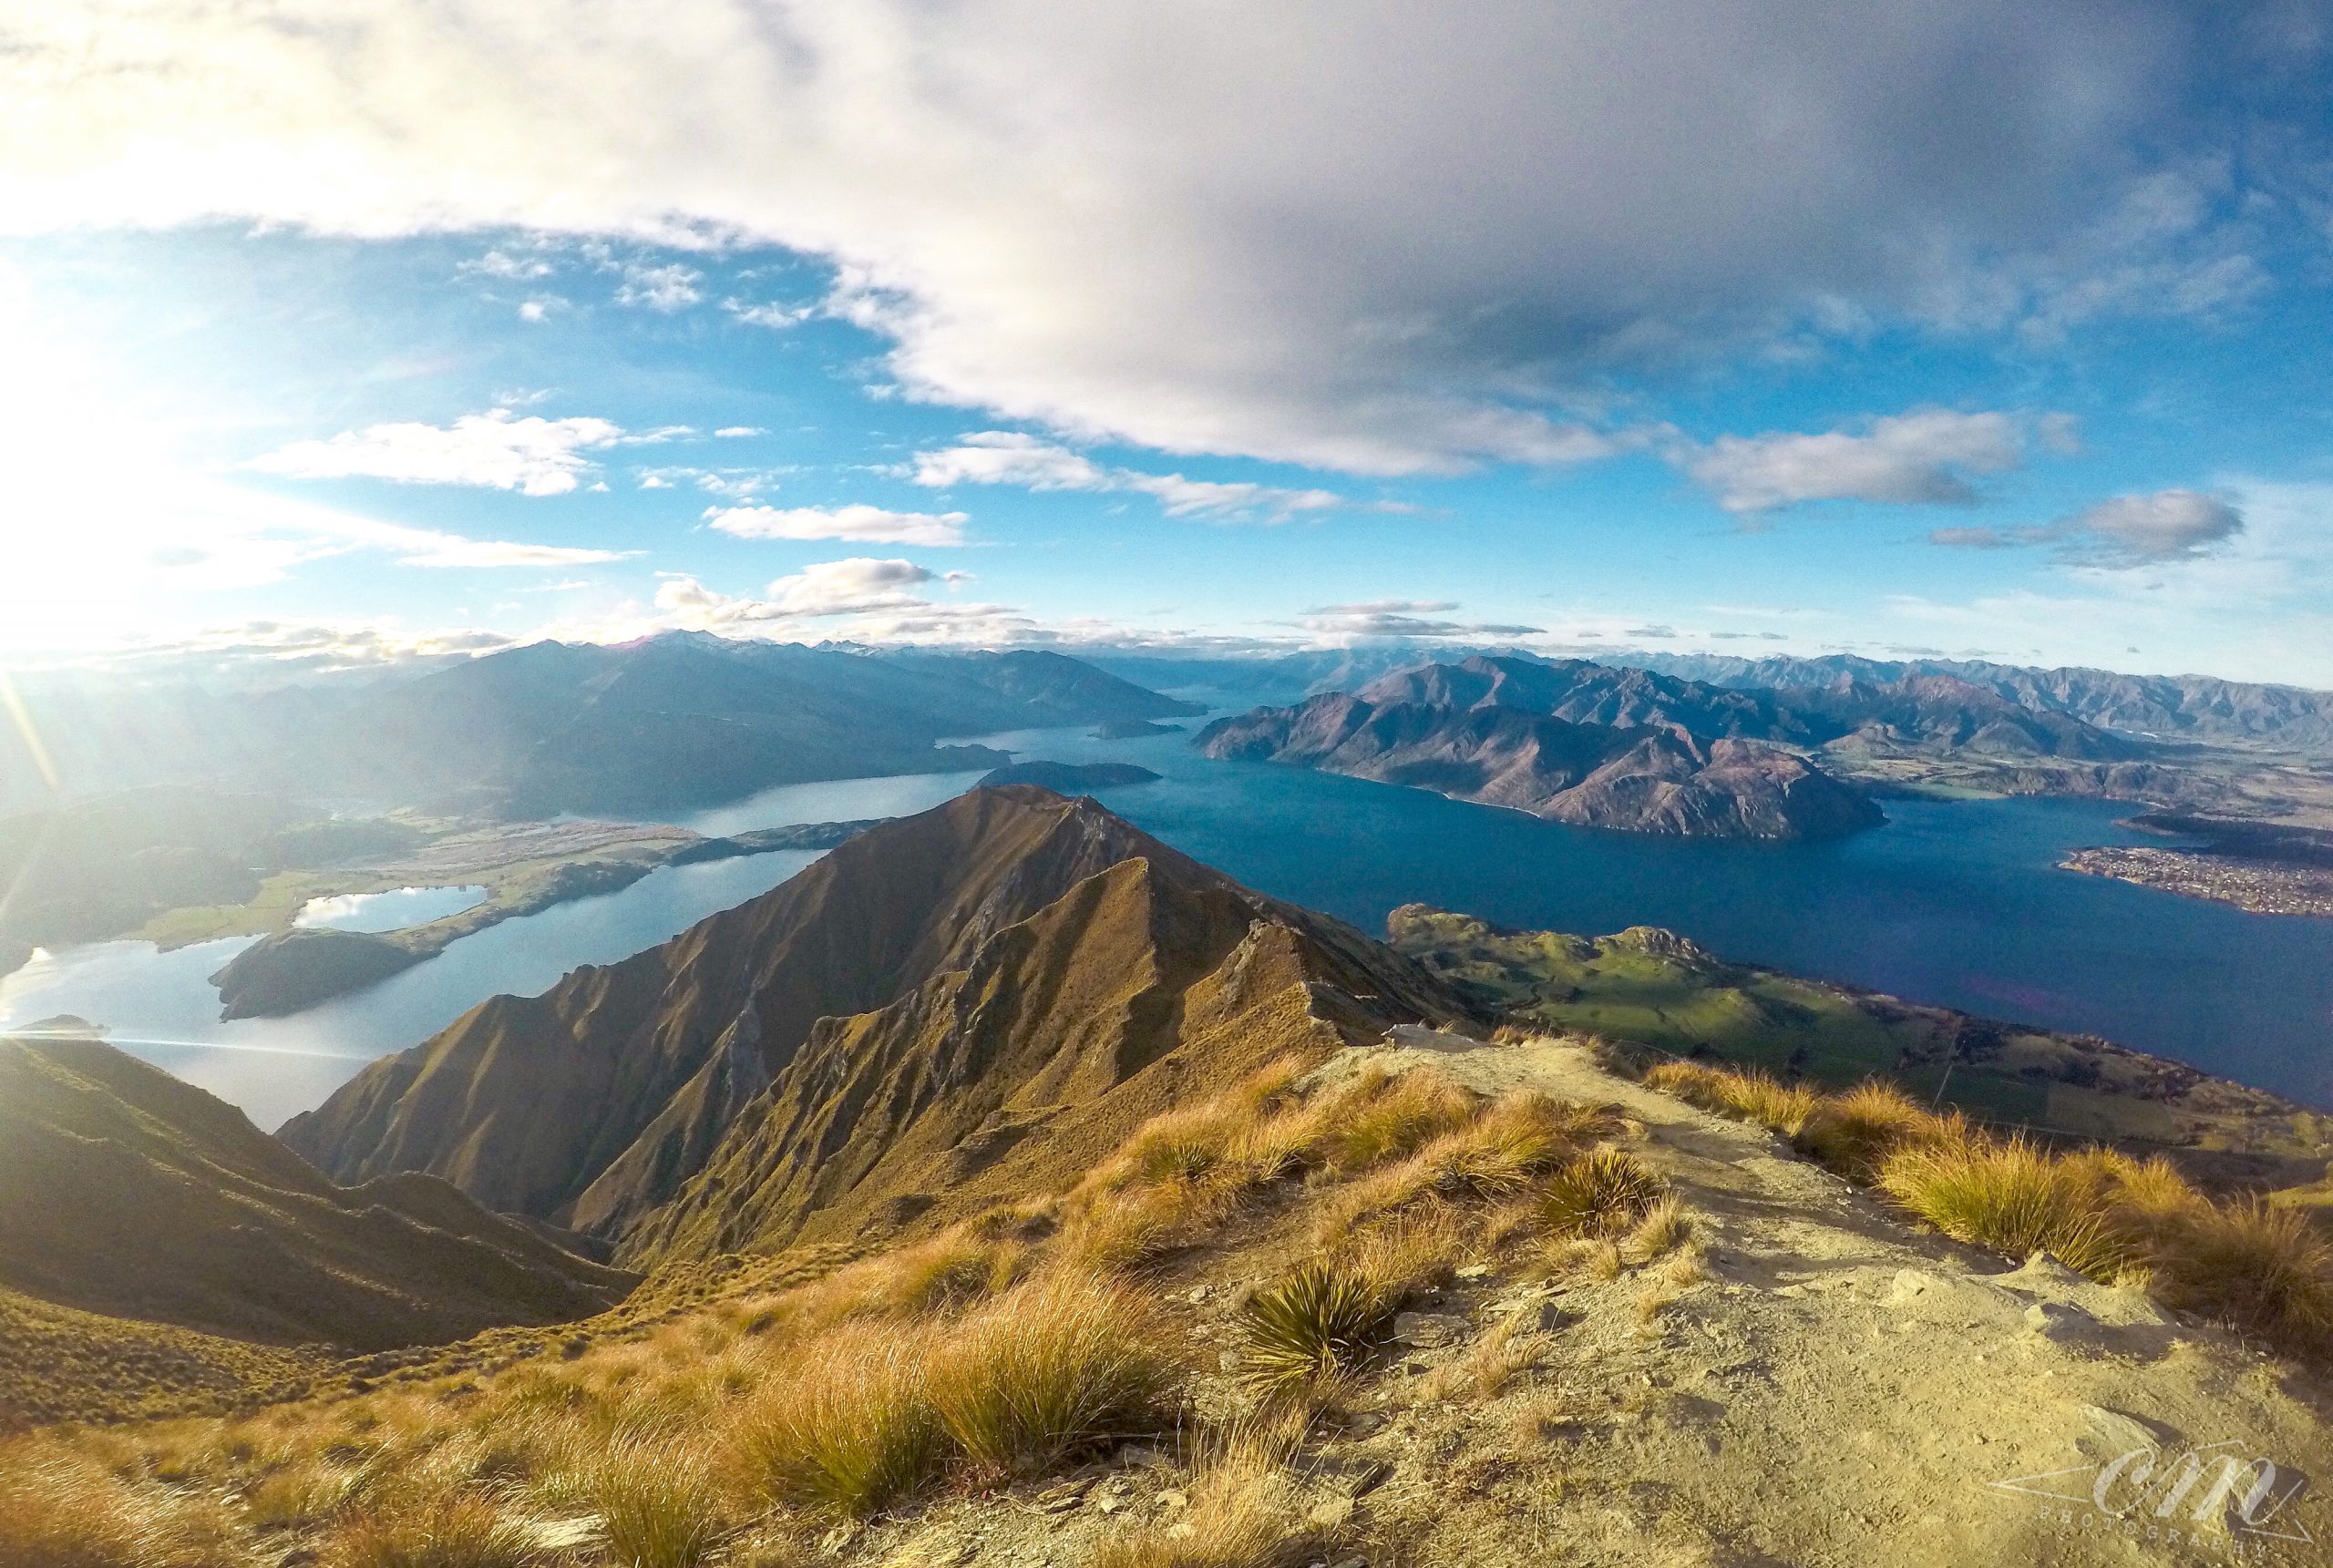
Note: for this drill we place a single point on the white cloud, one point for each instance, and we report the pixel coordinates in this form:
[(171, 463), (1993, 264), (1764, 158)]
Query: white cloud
[(2121, 532), (1403, 617), (1387, 607), (876, 597), (495, 450), (1924, 457), (1010, 458), (669, 288), (777, 317), (425, 547), (500, 263), (736, 432), (1385, 239), (869, 525)]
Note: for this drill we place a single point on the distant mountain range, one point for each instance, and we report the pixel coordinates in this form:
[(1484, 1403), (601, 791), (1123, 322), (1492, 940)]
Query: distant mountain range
[(1573, 742), (939, 1012), (1638, 748), (2199, 708), (679, 720)]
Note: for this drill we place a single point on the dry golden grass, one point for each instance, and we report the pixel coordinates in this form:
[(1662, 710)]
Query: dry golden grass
[(2015, 1198), (1245, 1512), (2264, 1271), (1060, 1362), (1855, 1130), (1663, 1227), (462, 1530), (1752, 1096), (1601, 1193), (2135, 1223), (61, 1510), (1373, 1120), (852, 1428), (1499, 1354), (1004, 1347)]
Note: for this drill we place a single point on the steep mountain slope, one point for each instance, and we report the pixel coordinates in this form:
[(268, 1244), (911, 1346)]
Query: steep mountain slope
[(1653, 779), (999, 980), (126, 1192)]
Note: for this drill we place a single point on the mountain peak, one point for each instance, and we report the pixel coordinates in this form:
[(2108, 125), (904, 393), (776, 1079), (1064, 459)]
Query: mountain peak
[(1042, 945)]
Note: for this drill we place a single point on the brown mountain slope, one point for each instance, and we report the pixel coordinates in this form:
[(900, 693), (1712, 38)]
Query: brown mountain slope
[(126, 1192), (1011, 967)]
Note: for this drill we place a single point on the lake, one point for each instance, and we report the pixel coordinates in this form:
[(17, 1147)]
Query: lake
[(391, 909), (1959, 903)]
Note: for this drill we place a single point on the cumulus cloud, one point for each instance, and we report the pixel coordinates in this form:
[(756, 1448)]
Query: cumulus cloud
[(500, 263), (496, 450), (669, 288), (869, 525), (2121, 532), (1010, 458), (1384, 240), (1926, 457), (871, 598), (1401, 617)]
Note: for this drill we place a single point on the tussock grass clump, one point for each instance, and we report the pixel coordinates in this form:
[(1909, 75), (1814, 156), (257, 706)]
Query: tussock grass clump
[(65, 1511), (658, 1506), (1061, 1361), (2262, 1270), (1323, 1318), (1374, 1120), (462, 1530), (1245, 1512), (1752, 1096), (1126, 1230), (2013, 1197), (1603, 1193), (853, 1428), (1854, 1131), (1662, 1228)]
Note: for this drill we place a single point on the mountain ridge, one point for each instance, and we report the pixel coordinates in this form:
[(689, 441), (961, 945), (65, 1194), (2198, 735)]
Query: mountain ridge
[(598, 1103), (1655, 777), (128, 1193)]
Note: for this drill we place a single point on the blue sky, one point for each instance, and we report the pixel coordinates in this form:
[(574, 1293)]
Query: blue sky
[(1981, 333)]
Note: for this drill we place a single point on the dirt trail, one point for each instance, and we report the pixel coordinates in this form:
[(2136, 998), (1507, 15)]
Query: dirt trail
[(1849, 1391)]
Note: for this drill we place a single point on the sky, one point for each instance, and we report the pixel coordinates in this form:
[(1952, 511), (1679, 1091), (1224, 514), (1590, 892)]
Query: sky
[(343, 330)]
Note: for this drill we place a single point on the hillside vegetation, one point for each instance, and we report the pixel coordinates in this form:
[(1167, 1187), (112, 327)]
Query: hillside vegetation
[(1439, 1301), (131, 1203)]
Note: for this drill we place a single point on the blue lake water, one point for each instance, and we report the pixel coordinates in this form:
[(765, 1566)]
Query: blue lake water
[(391, 909), (1959, 903)]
